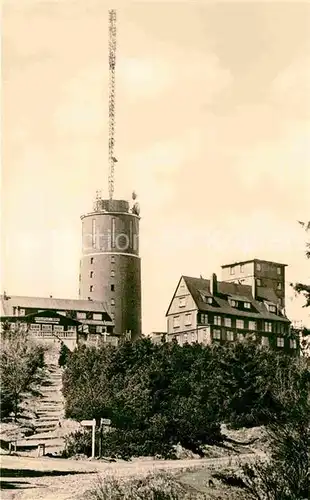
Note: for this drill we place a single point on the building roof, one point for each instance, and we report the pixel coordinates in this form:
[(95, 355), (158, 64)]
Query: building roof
[(196, 286), (8, 302), (253, 260)]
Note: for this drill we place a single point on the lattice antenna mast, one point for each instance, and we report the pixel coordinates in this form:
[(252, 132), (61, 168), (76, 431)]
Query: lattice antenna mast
[(112, 60)]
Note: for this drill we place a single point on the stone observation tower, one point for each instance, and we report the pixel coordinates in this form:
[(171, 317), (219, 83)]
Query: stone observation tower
[(110, 267)]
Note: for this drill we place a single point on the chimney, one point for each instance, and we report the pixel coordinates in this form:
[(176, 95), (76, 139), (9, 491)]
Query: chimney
[(213, 284)]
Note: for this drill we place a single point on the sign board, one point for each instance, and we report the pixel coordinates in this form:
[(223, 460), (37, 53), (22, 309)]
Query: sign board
[(88, 423), (105, 421), (39, 319)]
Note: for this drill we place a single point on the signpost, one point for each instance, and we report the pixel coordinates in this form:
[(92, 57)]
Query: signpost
[(104, 426), (91, 423)]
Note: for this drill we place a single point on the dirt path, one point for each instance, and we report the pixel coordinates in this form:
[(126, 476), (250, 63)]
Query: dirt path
[(24, 478)]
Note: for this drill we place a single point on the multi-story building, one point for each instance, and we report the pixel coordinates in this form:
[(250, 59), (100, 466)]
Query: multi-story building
[(110, 266), (209, 311), (51, 320), (266, 278)]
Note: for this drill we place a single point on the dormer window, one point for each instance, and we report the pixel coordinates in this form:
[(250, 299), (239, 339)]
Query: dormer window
[(209, 300), (247, 305), (233, 303), (182, 302), (272, 308)]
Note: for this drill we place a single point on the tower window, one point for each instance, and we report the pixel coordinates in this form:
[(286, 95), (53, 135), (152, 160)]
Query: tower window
[(112, 288), (112, 273), (279, 286), (94, 233), (259, 282), (91, 274), (112, 259), (279, 270), (113, 233), (232, 270), (92, 260), (91, 288), (258, 266), (241, 268), (112, 302)]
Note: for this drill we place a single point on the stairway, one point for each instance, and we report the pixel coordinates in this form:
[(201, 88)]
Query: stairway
[(49, 410)]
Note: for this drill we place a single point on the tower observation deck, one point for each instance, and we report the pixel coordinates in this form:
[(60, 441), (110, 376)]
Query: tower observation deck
[(110, 266)]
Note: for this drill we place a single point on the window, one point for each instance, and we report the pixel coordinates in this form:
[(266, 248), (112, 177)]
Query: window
[(112, 259), (14, 311), (217, 320), (91, 274), (233, 303), (230, 336), (91, 288), (112, 302), (252, 325), (22, 312), (217, 334), (97, 316), (204, 319), (265, 341), (81, 315), (47, 328), (71, 328), (247, 305), (227, 322), (279, 271), (293, 344), (280, 342), (241, 268), (210, 300), (92, 260), (188, 319), (268, 326), (258, 266), (279, 286), (35, 327), (239, 323), (240, 337), (193, 337), (112, 288), (259, 282), (99, 329), (272, 308), (58, 328), (176, 322), (232, 270), (182, 302), (185, 337), (112, 273), (113, 233)]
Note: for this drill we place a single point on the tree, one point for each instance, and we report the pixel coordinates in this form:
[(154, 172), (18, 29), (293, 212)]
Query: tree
[(300, 287), (21, 369)]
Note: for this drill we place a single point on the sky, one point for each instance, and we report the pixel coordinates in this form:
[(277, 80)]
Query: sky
[(212, 132)]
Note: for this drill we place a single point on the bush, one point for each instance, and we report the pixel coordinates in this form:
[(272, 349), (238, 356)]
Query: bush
[(158, 486), (64, 355)]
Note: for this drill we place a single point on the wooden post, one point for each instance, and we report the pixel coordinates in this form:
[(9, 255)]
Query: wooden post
[(93, 438)]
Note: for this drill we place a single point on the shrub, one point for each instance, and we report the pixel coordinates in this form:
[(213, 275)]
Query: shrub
[(155, 486), (64, 355)]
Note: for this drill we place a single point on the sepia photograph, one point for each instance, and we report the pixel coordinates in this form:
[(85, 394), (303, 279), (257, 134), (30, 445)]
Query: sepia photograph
[(155, 250)]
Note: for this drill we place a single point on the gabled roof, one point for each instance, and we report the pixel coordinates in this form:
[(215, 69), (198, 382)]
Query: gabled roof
[(44, 303), (196, 286)]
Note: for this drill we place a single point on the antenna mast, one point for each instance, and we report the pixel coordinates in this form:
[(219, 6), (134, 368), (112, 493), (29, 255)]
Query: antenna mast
[(112, 59)]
